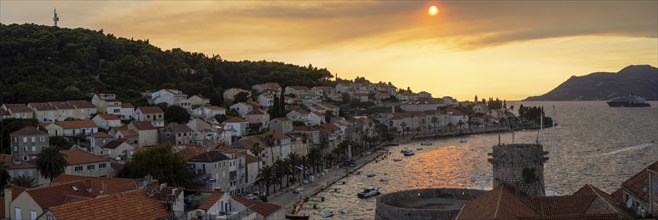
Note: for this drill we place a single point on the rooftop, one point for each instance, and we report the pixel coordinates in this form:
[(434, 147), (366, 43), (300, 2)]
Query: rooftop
[(75, 157), (129, 205)]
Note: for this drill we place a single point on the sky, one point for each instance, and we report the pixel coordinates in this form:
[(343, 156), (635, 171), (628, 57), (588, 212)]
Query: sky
[(505, 49)]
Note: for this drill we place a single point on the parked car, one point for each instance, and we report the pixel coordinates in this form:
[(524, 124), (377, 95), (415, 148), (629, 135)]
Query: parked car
[(251, 196)]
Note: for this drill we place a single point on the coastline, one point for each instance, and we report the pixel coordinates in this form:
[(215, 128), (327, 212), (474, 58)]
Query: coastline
[(335, 175)]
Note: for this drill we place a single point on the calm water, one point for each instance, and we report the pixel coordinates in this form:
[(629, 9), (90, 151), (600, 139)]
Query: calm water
[(596, 144)]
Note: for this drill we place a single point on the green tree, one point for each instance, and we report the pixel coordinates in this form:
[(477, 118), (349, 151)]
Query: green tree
[(266, 177), (160, 162), (315, 156), (60, 142), (4, 176), (24, 181), (51, 163), (176, 114)]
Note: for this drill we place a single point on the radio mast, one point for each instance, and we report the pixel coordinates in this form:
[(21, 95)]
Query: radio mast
[(55, 18)]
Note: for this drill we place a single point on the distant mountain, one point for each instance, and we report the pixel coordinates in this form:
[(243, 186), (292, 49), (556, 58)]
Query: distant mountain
[(640, 80)]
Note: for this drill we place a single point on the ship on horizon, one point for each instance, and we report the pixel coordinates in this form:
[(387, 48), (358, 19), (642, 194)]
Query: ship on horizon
[(628, 101)]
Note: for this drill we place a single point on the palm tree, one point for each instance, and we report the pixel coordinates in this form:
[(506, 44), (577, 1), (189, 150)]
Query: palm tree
[(280, 168), (460, 123), (434, 121), (294, 160), (407, 129), (450, 126), (4, 176), (23, 181), (266, 177), (269, 140), (315, 156), (51, 163), (404, 126), (257, 150)]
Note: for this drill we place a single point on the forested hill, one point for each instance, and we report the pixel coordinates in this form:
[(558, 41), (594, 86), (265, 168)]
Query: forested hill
[(45, 63)]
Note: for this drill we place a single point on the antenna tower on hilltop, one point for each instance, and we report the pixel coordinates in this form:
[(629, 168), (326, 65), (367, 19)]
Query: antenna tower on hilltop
[(55, 18)]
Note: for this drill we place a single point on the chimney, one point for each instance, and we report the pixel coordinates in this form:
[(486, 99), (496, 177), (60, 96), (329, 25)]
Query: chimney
[(89, 185), (103, 188)]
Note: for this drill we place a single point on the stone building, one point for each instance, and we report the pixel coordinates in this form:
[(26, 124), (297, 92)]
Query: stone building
[(520, 166)]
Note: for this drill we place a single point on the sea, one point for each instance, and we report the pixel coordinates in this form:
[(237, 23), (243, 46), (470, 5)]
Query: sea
[(591, 144)]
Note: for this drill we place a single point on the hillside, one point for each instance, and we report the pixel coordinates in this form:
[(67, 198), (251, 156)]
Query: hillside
[(45, 63), (640, 80)]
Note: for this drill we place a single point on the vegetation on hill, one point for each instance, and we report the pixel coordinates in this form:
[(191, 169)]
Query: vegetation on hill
[(45, 63)]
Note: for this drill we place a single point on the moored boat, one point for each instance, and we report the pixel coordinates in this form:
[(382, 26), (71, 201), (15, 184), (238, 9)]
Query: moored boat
[(409, 153), (368, 192), (425, 143)]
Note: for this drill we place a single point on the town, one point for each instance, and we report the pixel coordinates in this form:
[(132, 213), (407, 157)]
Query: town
[(246, 148)]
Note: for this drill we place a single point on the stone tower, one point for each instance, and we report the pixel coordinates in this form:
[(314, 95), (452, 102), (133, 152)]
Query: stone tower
[(520, 166)]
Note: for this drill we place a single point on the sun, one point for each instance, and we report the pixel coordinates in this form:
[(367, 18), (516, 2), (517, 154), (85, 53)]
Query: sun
[(433, 10)]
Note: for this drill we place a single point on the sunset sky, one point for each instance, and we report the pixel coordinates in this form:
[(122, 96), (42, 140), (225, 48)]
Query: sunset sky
[(505, 49)]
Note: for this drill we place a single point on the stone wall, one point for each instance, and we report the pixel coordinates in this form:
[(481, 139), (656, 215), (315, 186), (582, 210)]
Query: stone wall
[(520, 166), (386, 211)]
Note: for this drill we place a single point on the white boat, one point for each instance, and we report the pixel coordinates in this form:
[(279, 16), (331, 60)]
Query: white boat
[(327, 213), (463, 140), (425, 143), (368, 192), (409, 153)]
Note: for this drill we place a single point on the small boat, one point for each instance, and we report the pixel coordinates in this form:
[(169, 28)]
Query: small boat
[(397, 159), (371, 175), (368, 192), (628, 101), (425, 143), (463, 140), (327, 213), (418, 149), (383, 180), (409, 153)]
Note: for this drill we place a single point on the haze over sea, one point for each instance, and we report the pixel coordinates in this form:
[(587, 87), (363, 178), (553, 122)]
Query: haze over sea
[(597, 145)]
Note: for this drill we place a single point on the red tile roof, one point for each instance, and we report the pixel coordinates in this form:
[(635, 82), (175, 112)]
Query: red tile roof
[(127, 105), (62, 105), (639, 181), (299, 87), (192, 151), (234, 120), (115, 143), (54, 195), (101, 135), (128, 132), (212, 107), (142, 125), (209, 157), (81, 104), (15, 108), (129, 205), (211, 200), (77, 124), (255, 112), (109, 117), (28, 131), (499, 203), (113, 186), (150, 110), (41, 106), (74, 157), (262, 208), (179, 128), (8, 159)]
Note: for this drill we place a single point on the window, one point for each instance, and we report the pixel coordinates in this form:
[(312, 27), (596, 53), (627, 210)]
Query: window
[(42, 139), (33, 215), (24, 139), (34, 148), (101, 166), (15, 148), (78, 168), (30, 173), (25, 149), (91, 167), (34, 139), (17, 213), (148, 116)]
